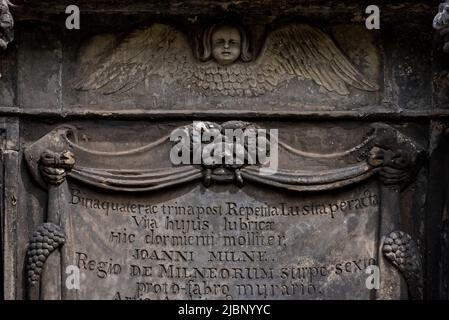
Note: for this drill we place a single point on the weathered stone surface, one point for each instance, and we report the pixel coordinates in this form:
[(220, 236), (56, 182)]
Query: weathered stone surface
[(225, 245), (398, 65), (292, 235), (88, 181)]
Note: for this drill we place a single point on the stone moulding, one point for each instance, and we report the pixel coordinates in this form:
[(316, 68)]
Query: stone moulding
[(384, 153)]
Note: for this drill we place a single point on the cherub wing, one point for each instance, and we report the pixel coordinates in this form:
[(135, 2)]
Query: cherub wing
[(302, 51), (159, 49), (293, 51)]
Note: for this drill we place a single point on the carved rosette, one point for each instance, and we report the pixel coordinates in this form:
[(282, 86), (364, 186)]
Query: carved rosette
[(400, 249), (6, 24)]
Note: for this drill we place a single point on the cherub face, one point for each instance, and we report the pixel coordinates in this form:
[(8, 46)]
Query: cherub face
[(226, 45)]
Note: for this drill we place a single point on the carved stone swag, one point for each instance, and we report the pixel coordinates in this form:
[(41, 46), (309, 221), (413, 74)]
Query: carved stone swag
[(385, 153)]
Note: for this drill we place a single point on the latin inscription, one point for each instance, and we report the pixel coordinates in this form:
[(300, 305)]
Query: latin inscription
[(221, 249)]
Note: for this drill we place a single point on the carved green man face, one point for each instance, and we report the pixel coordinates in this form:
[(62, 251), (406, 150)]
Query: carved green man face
[(226, 44)]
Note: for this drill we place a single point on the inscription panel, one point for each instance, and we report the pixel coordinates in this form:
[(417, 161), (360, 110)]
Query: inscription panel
[(224, 243), (138, 228)]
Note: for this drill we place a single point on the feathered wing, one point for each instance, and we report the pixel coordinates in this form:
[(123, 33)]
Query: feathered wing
[(302, 51), (292, 51), (159, 49), (236, 80)]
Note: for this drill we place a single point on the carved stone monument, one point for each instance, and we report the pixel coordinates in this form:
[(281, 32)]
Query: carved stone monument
[(239, 243), (349, 211)]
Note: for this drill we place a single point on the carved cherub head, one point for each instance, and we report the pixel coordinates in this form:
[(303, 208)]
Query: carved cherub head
[(226, 43)]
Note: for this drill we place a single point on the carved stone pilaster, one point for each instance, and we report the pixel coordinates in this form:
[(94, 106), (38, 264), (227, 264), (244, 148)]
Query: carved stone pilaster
[(441, 24), (49, 237), (6, 24), (397, 160)]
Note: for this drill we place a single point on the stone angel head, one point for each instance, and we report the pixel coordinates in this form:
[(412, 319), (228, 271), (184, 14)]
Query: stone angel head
[(226, 43), (220, 62)]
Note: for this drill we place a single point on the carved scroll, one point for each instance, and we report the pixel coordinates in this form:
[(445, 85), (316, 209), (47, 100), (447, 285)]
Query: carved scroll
[(384, 153), (47, 252)]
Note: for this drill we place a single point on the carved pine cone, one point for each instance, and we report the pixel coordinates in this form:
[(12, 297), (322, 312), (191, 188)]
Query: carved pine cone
[(402, 252), (46, 239)]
